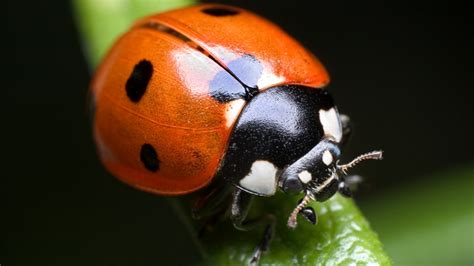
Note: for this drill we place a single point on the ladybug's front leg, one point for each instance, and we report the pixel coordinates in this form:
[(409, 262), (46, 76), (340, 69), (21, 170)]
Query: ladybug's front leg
[(240, 206)]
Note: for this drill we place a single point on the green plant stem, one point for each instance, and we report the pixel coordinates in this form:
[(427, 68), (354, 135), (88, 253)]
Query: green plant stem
[(342, 237)]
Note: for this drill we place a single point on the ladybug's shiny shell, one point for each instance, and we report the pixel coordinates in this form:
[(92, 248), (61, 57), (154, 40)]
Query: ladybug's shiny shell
[(169, 91)]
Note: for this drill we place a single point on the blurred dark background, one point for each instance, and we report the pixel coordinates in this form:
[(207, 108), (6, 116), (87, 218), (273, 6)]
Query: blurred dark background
[(402, 71)]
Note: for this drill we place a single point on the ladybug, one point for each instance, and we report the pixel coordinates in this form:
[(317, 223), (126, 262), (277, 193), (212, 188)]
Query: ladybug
[(215, 96)]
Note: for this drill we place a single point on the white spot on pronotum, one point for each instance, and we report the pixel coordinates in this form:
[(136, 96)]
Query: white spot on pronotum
[(233, 111), (261, 178), (327, 157), (331, 124), (305, 176)]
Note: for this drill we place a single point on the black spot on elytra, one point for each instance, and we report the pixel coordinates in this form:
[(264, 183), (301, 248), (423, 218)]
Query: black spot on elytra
[(138, 81), (220, 11), (248, 69), (240, 82), (149, 157), (225, 88)]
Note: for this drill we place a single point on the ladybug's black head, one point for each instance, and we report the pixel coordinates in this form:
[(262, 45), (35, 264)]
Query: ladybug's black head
[(315, 173), (318, 175)]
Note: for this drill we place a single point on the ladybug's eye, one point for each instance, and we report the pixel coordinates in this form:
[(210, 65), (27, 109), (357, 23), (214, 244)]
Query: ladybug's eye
[(292, 185)]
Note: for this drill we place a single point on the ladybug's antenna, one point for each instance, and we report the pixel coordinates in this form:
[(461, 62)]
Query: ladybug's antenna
[(374, 155), (292, 221)]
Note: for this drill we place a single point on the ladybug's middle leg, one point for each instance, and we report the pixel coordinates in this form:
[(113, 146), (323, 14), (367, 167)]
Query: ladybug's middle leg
[(240, 206), (215, 199), (212, 204)]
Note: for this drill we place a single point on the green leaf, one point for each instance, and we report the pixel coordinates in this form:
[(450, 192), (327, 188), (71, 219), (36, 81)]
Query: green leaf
[(342, 237), (428, 222)]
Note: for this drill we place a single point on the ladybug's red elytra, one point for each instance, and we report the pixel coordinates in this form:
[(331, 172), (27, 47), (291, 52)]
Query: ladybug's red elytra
[(216, 95)]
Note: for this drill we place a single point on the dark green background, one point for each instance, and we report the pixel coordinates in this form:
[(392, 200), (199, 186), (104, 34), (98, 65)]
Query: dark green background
[(402, 71)]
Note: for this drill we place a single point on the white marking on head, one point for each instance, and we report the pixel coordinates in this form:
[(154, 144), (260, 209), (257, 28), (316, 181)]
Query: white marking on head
[(233, 110), (305, 176), (331, 123), (327, 157), (261, 178)]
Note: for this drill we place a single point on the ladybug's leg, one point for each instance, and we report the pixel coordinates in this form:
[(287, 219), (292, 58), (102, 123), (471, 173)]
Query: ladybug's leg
[(346, 128), (239, 210), (213, 201), (349, 184), (211, 206)]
